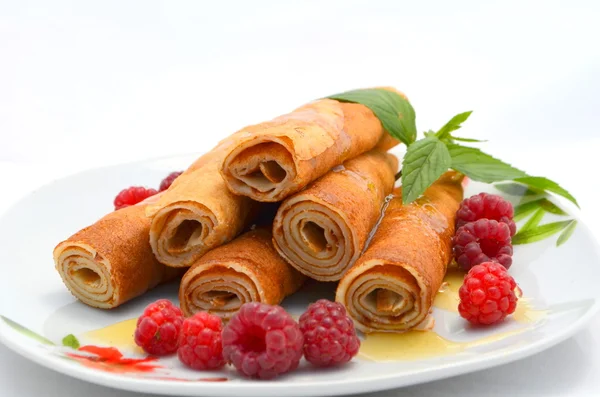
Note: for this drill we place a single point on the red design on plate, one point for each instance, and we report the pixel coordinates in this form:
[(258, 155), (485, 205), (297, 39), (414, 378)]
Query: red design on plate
[(110, 359)]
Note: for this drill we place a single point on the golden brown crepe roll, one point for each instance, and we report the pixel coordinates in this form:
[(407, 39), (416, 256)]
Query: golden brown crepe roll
[(275, 159), (111, 262), (248, 269), (392, 285), (197, 212), (322, 230)]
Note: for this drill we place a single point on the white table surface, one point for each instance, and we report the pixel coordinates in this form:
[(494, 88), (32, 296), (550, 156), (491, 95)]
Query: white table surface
[(88, 84)]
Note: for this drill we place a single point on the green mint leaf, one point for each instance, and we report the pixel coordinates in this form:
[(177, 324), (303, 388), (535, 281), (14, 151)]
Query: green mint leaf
[(425, 161), (567, 233), (534, 221), (480, 166), (453, 125), (539, 233), (393, 110), (71, 341), (522, 210), (517, 189), (546, 184), (552, 208), (26, 331), (457, 138)]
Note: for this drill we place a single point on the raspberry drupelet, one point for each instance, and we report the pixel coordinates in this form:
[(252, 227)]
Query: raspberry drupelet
[(132, 195), (487, 295), (200, 342), (329, 335), (482, 241), (485, 205), (262, 341), (158, 328)]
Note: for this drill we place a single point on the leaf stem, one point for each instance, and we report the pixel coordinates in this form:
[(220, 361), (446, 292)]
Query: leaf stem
[(398, 175)]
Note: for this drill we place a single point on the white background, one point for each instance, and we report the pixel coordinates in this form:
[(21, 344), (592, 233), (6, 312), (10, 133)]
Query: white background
[(86, 84)]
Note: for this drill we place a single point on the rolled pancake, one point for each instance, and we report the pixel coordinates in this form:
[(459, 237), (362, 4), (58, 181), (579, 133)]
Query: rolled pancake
[(275, 159), (197, 213), (322, 230), (248, 269), (392, 285), (111, 262)]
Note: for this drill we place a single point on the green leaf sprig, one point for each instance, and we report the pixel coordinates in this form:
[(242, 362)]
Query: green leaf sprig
[(393, 110), (428, 158), (567, 233), (477, 165), (537, 233), (533, 230), (522, 210)]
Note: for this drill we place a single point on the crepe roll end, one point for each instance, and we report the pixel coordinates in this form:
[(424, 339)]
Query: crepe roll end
[(314, 238), (384, 298), (248, 269), (263, 169), (86, 274), (181, 232), (219, 289)]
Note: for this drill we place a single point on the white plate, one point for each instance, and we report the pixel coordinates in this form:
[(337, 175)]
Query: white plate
[(559, 283)]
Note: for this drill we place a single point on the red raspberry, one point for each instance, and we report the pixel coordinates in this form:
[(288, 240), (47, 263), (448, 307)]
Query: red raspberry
[(166, 183), (157, 330), (484, 205), (200, 342), (329, 335), (487, 295), (482, 241), (262, 341), (132, 195)]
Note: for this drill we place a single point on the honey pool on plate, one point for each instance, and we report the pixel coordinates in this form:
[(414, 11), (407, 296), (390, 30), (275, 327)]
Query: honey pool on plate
[(417, 345), (119, 335), (411, 345), (447, 299)]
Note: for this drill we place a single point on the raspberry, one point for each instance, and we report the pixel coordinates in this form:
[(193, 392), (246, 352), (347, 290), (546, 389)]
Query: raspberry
[(262, 341), (200, 342), (166, 183), (484, 205), (132, 195), (157, 330), (487, 295), (482, 241), (329, 335)]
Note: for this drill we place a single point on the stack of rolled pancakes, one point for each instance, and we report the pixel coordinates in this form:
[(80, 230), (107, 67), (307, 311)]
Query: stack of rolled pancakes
[(326, 166)]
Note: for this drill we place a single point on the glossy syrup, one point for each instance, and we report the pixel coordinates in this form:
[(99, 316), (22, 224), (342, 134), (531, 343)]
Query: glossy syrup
[(386, 203), (419, 345), (410, 345), (447, 296), (118, 335), (447, 299)]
